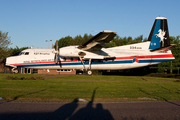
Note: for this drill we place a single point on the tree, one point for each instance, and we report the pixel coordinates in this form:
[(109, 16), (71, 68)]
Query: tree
[(110, 44), (16, 50), (138, 39), (4, 42), (64, 41), (175, 65), (86, 37), (78, 40)]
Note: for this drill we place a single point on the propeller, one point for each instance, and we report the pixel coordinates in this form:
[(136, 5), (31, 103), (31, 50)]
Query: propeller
[(56, 57), (56, 52)]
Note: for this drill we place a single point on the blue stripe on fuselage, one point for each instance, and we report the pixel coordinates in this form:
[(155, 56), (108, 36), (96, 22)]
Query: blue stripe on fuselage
[(97, 63)]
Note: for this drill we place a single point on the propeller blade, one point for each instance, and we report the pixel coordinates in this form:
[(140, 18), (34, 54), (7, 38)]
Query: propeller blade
[(56, 45), (56, 52), (57, 57)]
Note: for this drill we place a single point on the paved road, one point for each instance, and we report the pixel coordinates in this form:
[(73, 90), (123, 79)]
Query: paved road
[(95, 111)]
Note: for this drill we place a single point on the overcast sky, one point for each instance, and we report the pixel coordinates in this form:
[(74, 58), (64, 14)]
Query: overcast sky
[(32, 22)]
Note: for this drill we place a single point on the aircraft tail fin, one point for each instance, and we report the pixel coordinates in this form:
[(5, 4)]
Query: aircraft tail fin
[(159, 35)]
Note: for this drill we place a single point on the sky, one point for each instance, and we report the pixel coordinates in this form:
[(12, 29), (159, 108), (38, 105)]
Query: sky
[(32, 22)]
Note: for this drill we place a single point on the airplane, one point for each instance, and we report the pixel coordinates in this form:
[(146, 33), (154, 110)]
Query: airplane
[(92, 56)]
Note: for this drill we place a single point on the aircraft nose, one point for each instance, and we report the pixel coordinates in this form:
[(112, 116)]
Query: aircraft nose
[(10, 61), (7, 61)]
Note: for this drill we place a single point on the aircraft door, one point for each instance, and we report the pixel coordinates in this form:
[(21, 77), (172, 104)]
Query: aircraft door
[(26, 70)]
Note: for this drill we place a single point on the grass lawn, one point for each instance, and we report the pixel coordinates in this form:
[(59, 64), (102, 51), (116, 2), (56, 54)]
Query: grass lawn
[(66, 88)]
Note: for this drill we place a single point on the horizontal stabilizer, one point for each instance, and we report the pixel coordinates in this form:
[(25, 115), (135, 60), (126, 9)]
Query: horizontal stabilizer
[(164, 49)]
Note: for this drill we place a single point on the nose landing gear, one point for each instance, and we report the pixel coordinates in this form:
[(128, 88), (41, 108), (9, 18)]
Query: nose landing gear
[(15, 70)]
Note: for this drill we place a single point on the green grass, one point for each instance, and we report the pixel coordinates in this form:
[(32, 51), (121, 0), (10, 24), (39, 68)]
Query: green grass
[(104, 88)]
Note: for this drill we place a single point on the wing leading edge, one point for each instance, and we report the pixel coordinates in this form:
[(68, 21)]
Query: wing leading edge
[(98, 41)]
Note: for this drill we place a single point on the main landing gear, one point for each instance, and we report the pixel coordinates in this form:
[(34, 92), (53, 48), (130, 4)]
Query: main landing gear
[(88, 71)]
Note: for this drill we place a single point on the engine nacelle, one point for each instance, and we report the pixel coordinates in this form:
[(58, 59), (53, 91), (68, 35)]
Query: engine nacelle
[(73, 51), (70, 51)]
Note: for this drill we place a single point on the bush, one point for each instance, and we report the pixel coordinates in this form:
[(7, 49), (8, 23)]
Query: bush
[(23, 78), (164, 75)]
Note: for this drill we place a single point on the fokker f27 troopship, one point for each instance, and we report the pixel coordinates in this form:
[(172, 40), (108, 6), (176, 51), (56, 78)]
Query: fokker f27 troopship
[(92, 56)]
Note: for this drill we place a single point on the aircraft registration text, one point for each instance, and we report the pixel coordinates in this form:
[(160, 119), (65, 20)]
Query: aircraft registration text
[(135, 47), (32, 61)]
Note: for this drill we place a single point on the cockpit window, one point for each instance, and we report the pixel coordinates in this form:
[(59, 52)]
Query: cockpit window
[(21, 53), (26, 53)]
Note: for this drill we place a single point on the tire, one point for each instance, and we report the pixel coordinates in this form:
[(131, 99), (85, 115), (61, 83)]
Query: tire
[(89, 72), (16, 71)]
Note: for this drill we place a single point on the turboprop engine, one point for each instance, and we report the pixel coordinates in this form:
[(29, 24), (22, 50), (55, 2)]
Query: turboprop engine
[(74, 51)]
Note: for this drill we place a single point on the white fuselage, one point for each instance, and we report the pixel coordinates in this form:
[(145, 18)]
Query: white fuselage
[(116, 58)]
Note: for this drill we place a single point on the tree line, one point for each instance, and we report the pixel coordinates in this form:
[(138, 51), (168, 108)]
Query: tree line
[(169, 67)]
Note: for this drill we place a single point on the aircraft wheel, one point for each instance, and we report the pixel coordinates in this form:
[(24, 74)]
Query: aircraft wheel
[(89, 72), (15, 70)]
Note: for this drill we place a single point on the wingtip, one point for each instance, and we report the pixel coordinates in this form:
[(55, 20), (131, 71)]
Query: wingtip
[(108, 31)]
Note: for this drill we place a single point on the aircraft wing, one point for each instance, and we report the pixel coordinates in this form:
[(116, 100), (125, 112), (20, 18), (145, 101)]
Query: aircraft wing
[(98, 41)]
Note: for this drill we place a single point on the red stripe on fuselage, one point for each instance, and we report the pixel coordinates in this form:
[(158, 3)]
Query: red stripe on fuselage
[(117, 58), (144, 57)]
